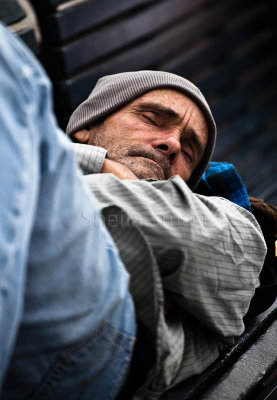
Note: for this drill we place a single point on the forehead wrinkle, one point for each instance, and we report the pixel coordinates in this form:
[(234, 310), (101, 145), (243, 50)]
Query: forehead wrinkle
[(159, 107), (141, 105)]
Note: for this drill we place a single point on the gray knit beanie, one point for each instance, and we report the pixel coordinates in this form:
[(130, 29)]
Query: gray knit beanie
[(114, 91)]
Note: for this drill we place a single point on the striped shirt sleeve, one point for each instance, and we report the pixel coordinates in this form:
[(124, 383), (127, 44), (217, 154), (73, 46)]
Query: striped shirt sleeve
[(208, 254), (209, 250), (90, 158)]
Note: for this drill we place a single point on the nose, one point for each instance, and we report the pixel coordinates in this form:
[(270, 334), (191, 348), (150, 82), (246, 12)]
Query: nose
[(168, 145)]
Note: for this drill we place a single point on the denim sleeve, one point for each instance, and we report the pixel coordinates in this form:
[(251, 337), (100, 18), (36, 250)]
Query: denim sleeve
[(64, 298)]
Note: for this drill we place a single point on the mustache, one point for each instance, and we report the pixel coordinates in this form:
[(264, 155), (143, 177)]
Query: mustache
[(153, 155)]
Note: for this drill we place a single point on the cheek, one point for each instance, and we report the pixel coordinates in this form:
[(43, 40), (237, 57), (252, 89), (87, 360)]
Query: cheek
[(127, 130), (182, 169)]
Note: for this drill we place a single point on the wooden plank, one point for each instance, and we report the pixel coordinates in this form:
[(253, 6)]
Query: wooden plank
[(252, 152), (46, 5), (29, 38), (215, 48), (234, 68), (11, 12), (260, 159), (264, 183), (256, 162), (197, 387), (121, 34), (251, 122), (236, 100), (147, 55), (62, 26), (76, 89), (269, 194), (246, 375)]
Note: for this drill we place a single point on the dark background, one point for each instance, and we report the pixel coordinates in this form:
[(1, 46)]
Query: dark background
[(227, 48)]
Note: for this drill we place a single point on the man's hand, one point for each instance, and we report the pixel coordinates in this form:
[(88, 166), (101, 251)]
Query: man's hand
[(119, 170)]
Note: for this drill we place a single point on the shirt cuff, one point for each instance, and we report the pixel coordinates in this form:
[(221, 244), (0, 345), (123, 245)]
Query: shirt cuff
[(90, 158)]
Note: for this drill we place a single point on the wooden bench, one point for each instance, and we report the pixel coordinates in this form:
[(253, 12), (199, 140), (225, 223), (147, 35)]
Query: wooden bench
[(228, 49), (13, 15), (246, 370)]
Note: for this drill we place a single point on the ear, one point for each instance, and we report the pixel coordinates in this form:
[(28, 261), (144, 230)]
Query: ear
[(82, 136)]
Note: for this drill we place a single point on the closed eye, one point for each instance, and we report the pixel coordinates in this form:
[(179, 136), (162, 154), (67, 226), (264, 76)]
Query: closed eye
[(188, 154), (192, 144), (149, 118)]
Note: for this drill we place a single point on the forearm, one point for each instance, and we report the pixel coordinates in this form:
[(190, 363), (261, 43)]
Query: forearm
[(209, 251), (94, 160)]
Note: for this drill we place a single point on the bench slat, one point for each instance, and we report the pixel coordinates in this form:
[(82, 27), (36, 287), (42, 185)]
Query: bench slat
[(147, 55), (11, 12), (47, 5), (216, 47), (247, 372), (226, 48), (226, 107), (28, 36), (62, 26), (234, 68), (263, 331), (121, 34), (243, 128)]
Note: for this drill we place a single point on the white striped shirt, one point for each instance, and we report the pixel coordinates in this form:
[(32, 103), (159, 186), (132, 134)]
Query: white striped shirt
[(205, 252)]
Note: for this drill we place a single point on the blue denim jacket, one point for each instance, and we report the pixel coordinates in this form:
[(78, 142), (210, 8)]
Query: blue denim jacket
[(67, 322)]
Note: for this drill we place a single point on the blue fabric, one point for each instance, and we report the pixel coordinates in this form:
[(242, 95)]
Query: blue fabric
[(222, 179), (67, 321)]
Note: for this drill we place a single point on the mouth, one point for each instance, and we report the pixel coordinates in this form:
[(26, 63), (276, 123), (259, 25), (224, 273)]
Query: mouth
[(153, 165), (150, 159)]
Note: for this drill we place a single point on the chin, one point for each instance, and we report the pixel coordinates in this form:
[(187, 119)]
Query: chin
[(147, 169), (149, 174)]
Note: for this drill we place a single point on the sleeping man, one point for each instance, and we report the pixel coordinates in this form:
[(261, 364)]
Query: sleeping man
[(91, 310), (144, 140)]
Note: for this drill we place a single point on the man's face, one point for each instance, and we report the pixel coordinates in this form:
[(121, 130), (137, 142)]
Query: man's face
[(159, 134)]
